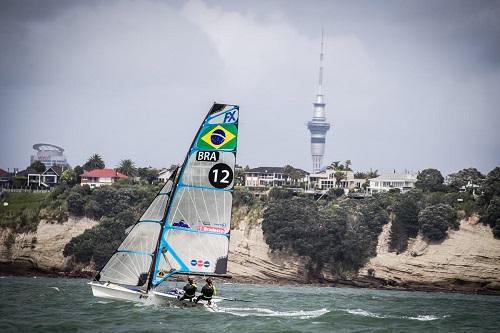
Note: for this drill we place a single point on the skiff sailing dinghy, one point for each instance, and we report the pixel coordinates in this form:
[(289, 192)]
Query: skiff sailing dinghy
[(185, 230)]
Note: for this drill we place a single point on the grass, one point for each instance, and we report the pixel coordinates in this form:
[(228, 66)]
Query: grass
[(21, 213)]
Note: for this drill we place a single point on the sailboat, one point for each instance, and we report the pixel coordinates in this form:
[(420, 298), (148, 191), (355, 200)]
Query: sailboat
[(186, 228)]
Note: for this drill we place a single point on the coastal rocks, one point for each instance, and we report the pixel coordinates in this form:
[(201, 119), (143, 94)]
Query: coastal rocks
[(41, 250), (467, 260), (251, 260)]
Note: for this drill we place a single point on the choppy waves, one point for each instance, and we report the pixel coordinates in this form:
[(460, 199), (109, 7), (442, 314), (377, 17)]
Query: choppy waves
[(364, 313), (263, 312)]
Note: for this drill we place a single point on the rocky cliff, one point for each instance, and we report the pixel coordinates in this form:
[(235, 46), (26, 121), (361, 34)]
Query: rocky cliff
[(467, 260), (41, 250), (250, 259)]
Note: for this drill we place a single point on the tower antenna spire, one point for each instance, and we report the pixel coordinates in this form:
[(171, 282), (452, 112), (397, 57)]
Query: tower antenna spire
[(320, 81)]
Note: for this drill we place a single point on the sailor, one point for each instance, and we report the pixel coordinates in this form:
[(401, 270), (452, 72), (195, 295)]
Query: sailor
[(189, 290), (207, 292)]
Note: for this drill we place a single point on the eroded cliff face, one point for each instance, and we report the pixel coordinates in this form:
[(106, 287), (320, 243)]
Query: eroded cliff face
[(250, 259), (41, 250), (467, 260)]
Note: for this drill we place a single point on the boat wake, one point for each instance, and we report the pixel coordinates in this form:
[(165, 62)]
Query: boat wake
[(262, 312), (364, 313)]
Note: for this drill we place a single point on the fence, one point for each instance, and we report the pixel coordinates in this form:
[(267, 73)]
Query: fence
[(23, 190)]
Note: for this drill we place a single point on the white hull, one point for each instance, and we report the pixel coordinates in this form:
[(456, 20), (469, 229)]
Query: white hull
[(113, 291)]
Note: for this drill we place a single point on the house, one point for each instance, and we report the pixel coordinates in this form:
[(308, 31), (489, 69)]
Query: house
[(165, 174), (270, 176), (100, 177), (383, 183), (48, 178), (470, 186), (326, 180), (5, 178)]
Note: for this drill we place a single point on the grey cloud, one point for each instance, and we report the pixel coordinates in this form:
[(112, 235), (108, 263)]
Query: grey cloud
[(408, 84)]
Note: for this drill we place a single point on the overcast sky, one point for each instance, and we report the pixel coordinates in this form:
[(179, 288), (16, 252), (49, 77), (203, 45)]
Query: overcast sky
[(408, 84)]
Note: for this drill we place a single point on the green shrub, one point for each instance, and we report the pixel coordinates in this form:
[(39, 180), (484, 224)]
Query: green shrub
[(492, 215), (99, 243), (277, 193), (436, 220), (405, 223), (344, 236), (243, 197), (76, 204)]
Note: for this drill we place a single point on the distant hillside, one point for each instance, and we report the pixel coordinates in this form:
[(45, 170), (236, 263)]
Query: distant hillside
[(437, 239)]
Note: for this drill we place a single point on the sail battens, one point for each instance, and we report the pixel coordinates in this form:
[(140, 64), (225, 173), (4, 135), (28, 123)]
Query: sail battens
[(136, 252), (150, 221), (206, 188), (199, 231)]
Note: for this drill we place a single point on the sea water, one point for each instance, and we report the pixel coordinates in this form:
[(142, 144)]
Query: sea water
[(42, 304)]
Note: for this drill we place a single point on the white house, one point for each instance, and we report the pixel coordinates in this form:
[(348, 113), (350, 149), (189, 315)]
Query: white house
[(269, 176), (326, 180), (165, 174), (48, 178), (100, 177), (383, 183)]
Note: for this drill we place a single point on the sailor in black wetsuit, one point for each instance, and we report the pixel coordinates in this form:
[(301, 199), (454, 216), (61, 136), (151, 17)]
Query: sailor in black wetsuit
[(189, 290), (207, 292)]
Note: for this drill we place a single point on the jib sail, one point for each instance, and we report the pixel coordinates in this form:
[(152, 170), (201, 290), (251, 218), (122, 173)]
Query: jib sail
[(131, 263)]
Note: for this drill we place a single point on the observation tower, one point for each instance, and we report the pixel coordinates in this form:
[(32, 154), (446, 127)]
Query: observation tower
[(318, 126)]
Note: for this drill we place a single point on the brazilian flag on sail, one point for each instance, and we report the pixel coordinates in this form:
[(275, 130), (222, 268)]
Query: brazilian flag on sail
[(222, 136)]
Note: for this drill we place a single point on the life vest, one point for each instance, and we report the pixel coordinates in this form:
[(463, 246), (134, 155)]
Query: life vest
[(208, 291), (190, 290)]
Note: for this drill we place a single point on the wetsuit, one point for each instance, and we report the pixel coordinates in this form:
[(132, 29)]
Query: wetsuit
[(206, 293), (189, 292)]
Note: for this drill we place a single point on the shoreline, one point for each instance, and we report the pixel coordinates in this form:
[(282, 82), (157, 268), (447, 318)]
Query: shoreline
[(466, 287)]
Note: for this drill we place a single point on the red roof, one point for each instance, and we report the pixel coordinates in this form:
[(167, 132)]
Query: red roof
[(3, 173), (103, 173)]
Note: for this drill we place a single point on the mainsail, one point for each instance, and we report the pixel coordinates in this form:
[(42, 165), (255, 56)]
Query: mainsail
[(186, 228)]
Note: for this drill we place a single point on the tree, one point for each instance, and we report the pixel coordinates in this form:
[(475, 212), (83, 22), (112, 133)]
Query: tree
[(348, 163), (148, 174), (127, 167), (334, 165), (68, 177), (430, 180), (492, 215), (462, 177), (360, 175), (405, 223), (37, 166), (435, 221), (491, 186), (78, 171), (94, 162), (76, 204), (338, 177), (372, 174), (287, 172)]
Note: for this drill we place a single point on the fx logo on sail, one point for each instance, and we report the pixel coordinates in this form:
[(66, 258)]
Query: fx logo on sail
[(229, 117)]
